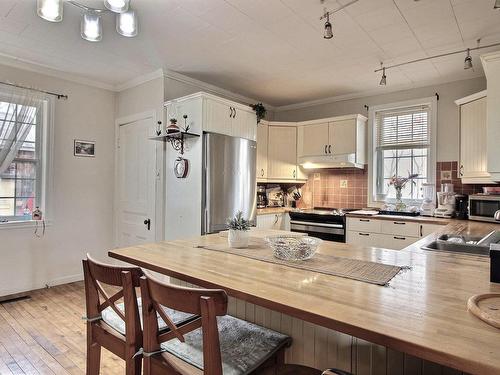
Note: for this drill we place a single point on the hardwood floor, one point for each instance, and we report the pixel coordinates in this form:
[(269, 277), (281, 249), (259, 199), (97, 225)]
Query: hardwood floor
[(46, 334)]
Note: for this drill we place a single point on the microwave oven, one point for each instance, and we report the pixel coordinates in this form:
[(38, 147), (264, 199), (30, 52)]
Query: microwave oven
[(482, 207)]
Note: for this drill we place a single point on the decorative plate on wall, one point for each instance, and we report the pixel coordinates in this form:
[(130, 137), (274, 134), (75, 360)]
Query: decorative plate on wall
[(181, 167)]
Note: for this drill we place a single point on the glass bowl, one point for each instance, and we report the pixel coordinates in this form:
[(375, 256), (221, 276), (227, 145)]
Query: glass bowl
[(293, 247)]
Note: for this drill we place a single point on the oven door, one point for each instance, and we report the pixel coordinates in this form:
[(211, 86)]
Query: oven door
[(483, 208), (326, 231)]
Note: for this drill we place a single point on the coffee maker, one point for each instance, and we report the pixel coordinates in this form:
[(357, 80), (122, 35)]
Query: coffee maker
[(261, 197), (461, 207), (446, 201)]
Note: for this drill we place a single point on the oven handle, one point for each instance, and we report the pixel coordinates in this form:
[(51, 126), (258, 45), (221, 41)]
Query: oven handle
[(340, 226)]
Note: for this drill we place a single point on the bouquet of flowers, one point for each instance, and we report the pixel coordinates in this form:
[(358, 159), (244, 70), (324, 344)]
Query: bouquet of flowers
[(399, 183)]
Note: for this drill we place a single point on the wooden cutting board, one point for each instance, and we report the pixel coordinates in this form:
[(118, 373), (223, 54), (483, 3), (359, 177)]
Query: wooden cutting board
[(486, 307)]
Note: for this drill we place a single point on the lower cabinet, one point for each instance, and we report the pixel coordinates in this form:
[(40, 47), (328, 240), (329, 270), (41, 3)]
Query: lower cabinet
[(274, 221), (389, 234)]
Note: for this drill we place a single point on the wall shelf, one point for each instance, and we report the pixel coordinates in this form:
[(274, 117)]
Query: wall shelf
[(176, 139)]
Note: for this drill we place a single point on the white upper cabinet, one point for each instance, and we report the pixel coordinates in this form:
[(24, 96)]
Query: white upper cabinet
[(473, 139), (334, 142), (262, 147), (313, 140), (218, 115), (282, 153)]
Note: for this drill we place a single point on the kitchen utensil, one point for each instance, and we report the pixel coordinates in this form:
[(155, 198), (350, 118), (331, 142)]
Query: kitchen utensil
[(293, 247), (428, 204), (486, 307)]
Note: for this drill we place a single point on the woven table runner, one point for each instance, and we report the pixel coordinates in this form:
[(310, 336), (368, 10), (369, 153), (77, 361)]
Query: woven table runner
[(361, 270)]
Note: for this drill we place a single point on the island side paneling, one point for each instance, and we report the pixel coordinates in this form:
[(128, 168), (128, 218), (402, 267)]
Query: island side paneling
[(323, 348)]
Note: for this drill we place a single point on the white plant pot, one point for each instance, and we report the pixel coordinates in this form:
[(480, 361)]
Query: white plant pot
[(238, 238)]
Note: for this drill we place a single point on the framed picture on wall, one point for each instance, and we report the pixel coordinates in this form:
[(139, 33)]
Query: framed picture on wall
[(84, 148)]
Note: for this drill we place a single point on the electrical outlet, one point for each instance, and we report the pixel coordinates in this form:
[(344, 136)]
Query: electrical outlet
[(343, 184), (317, 176)]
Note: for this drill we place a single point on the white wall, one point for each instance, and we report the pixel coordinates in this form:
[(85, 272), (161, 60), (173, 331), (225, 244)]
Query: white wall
[(447, 137), (82, 216)]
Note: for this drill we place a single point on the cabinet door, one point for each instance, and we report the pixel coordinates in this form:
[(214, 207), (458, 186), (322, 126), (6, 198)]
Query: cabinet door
[(270, 221), (397, 242), (366, 239), (217, 117), (282, 152), (342, 136), (244, 124), (313, 140), (426, 229), (262, 139), (473, 151)]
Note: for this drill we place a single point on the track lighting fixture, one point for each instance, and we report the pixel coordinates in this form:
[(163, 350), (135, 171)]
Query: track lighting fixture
[(91, 22), (383, 80), (328, 28), (497, 4), (468, 60)]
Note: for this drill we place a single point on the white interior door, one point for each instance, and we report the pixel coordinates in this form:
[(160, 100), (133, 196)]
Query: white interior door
[(136, 183)]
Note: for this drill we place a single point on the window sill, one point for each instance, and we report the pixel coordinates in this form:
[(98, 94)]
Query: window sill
[(22, 224)]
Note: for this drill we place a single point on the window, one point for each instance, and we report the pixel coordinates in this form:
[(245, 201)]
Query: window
[(403, 144), (21, 149)]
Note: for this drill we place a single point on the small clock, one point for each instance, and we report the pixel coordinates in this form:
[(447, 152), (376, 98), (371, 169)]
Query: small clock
[(181, 167)]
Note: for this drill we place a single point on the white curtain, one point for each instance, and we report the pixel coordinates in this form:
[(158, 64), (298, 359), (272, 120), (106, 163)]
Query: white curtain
[(18, 111)]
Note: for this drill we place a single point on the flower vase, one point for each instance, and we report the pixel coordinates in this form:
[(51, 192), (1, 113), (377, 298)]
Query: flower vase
[(400, 206), (238, 238)]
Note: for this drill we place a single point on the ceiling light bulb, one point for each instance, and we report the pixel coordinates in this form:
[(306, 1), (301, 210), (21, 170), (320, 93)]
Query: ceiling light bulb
[(91, 27), (117, 6), (383, 81), (497, 4), (126, 23), (468, 61), (328, 28), (50, 10)]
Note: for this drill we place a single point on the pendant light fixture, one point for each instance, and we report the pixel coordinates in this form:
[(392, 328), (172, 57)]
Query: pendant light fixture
[(117, 6), (468, 61), (328, 28), (91, 26), (50, 10), (126, 23), (497, 4), (383, 80)]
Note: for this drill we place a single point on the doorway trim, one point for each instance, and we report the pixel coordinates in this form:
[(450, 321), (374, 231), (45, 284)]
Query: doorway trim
[(159, 185)]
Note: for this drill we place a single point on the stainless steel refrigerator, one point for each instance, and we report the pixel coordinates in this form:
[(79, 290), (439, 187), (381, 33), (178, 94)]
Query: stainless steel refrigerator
[(229, 180)]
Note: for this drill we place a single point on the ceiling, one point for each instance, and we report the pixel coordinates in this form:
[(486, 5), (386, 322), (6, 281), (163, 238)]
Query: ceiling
[(271, 50)]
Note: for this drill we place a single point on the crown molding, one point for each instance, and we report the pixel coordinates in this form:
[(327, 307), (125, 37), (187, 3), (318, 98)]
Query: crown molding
[(23, 64), (155, 74), (367, 93)]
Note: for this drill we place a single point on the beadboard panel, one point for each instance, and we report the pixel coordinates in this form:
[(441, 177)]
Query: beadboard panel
[(322, 348)]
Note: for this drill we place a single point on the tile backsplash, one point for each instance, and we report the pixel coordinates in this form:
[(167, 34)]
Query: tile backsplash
[(338, 188), (348, 188)]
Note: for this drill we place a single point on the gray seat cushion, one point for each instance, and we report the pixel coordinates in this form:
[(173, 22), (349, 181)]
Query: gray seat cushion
[(244, 346), (111, 317)]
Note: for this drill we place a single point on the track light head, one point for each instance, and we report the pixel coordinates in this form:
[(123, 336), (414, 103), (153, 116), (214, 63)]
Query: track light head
[(328, 28), (468, 61), (497, 4), (383, 80)]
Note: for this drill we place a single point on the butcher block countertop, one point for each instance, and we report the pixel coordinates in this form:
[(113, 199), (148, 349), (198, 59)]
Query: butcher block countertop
[(422, 312)]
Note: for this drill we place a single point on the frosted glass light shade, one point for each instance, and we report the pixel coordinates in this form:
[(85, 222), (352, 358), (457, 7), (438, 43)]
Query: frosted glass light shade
[(50, 10), (117, 6), (91, 27), (126, 23)]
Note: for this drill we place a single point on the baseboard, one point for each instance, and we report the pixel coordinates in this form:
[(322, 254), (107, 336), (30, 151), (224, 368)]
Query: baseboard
[(40, 285)]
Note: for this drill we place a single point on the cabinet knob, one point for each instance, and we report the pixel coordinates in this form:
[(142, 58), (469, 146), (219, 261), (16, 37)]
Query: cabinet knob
[(461, 170), (262, 172), (293, 174), (330, 149), (326, 149)]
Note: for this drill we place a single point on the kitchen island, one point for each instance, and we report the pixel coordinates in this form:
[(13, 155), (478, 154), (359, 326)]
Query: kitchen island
[(350, 324)]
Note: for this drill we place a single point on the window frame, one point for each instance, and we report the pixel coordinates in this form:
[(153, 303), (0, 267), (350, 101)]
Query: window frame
[(372, 151), (43, 158)]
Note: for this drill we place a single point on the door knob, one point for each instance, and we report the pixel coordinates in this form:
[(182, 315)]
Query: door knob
[(148, 223)]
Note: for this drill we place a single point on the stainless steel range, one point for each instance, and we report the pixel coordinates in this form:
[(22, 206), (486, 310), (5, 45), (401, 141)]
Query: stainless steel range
[(325, 223)]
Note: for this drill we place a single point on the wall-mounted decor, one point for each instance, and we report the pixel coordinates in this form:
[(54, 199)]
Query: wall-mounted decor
[(84, 148), (181, 167)]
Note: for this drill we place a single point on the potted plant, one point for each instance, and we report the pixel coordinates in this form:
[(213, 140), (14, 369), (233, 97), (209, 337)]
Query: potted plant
[(239, 228), (260, 111)]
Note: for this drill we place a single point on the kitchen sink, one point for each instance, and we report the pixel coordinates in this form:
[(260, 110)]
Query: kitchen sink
[(464, 244)]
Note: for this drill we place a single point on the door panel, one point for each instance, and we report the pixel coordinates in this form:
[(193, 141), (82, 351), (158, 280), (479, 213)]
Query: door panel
[(218, 118), (342, 135), (282, 152), (313, 140), (262, 139), (136, 184)]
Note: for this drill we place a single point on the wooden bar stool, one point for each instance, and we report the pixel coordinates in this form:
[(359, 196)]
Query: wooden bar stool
[(112, 325), (212, 344)]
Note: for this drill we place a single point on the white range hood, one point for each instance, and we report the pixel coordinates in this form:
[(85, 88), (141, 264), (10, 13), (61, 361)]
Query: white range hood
[(491, 65), (334, 161)]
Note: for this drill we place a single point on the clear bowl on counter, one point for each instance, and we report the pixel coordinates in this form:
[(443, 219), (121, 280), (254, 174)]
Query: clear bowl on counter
[(293, 248)]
